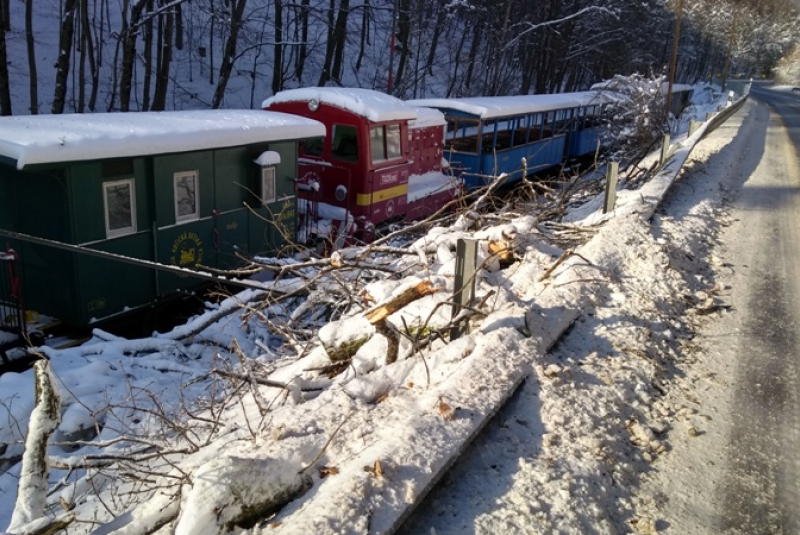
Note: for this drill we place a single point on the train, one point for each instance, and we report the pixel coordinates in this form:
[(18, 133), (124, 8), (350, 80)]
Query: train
[(106, 213)]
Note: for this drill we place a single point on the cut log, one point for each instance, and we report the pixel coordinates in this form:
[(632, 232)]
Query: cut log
[(342, 339), (410, 295)]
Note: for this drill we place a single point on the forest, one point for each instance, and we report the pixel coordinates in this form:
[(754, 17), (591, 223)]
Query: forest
[(61, 56)]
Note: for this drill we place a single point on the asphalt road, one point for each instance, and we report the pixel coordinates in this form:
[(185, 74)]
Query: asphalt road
[(760, 487), (741, 476)]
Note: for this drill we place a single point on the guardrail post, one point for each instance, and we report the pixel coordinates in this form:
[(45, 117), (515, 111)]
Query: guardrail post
[(710, 115), (464, 290), (693, 126), (664, 149), (612, 175)]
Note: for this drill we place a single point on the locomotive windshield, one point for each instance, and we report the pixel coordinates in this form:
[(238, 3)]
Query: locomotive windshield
[(345, 143)]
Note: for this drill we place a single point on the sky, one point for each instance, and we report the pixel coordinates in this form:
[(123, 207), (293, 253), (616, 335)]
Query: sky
[(354, 452)]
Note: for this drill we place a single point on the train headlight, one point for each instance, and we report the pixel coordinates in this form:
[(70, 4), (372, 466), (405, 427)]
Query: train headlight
[(340, 193), (313, 104)]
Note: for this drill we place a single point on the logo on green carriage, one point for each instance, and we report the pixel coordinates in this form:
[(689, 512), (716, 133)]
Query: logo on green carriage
[(187, 251)]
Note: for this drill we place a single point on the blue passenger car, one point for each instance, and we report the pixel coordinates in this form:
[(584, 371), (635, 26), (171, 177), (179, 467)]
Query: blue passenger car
[(489, 136)]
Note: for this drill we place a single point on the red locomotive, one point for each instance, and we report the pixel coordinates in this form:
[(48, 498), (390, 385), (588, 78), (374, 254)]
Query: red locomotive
[(381, 162)]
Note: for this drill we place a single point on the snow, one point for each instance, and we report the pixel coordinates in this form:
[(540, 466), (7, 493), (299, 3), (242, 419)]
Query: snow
[(375, 106), (494, 107), (37, 139), (269, 157), (421, 186), (388, 429), (427, 117)]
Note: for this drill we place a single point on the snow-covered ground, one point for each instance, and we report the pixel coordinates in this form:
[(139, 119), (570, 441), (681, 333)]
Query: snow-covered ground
[(350, 453)]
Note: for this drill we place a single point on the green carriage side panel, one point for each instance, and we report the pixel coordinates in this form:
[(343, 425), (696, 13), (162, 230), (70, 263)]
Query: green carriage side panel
[(274, 225), (42, 209), (8, 198), (185, 244), (106, 287), (234, 172)]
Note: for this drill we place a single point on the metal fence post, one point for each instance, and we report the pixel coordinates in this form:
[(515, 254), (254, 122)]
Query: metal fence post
[(464, 290), (693, 126), (612, 174)]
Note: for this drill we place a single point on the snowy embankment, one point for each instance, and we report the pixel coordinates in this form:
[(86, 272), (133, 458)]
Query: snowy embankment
[(352, 452)]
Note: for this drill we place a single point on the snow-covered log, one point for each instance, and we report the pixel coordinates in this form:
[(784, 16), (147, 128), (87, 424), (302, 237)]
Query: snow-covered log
[(33, 486), (237, 491), (45, 525)]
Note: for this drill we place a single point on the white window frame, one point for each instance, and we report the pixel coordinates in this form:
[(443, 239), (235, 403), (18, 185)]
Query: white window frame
[(175, 178), (114, 233), (268, 184)]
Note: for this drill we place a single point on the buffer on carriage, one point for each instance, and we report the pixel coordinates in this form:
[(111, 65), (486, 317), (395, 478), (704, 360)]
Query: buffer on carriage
[(380, 163)]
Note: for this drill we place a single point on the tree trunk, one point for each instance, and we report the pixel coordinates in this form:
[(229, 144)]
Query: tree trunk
[(178, 27), (437, 31), (365, 14), (148, 60), (129, 55), (473, 54), (403, 36), (64, 51), (340, 35), (34, 79), (237, 13), (277, 64), (302, 53), (5, 87), (325, 73), (164, 63), (88, 42)]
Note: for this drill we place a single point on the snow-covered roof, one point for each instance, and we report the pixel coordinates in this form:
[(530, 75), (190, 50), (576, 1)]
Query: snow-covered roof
[(427, 117), (373, 105), (505, 106), (35, 139)]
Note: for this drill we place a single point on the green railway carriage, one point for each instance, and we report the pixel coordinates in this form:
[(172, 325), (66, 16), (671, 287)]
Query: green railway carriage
[(168, 187)]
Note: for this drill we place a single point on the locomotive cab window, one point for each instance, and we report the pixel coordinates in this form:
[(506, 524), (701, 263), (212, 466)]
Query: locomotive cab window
[(268, 193), (313, 147), (187, 206), (119, 204), (345, 143), (384, 142)]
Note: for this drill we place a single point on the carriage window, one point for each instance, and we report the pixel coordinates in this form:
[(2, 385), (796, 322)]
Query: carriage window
[(268, 193), (313, 147), (376, 143), (462, 135), (345, 143), (187, 207), (119, 203)]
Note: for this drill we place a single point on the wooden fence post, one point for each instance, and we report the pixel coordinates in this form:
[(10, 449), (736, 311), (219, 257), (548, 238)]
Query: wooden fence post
[(464, 290), (664, 149), (612, 174)]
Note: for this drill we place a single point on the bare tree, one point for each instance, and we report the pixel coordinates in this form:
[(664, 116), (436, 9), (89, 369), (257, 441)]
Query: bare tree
[(277, 56), (34, 80), (5, 88), (166, 24), (302, 52), (64, 52), (229, 56)]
